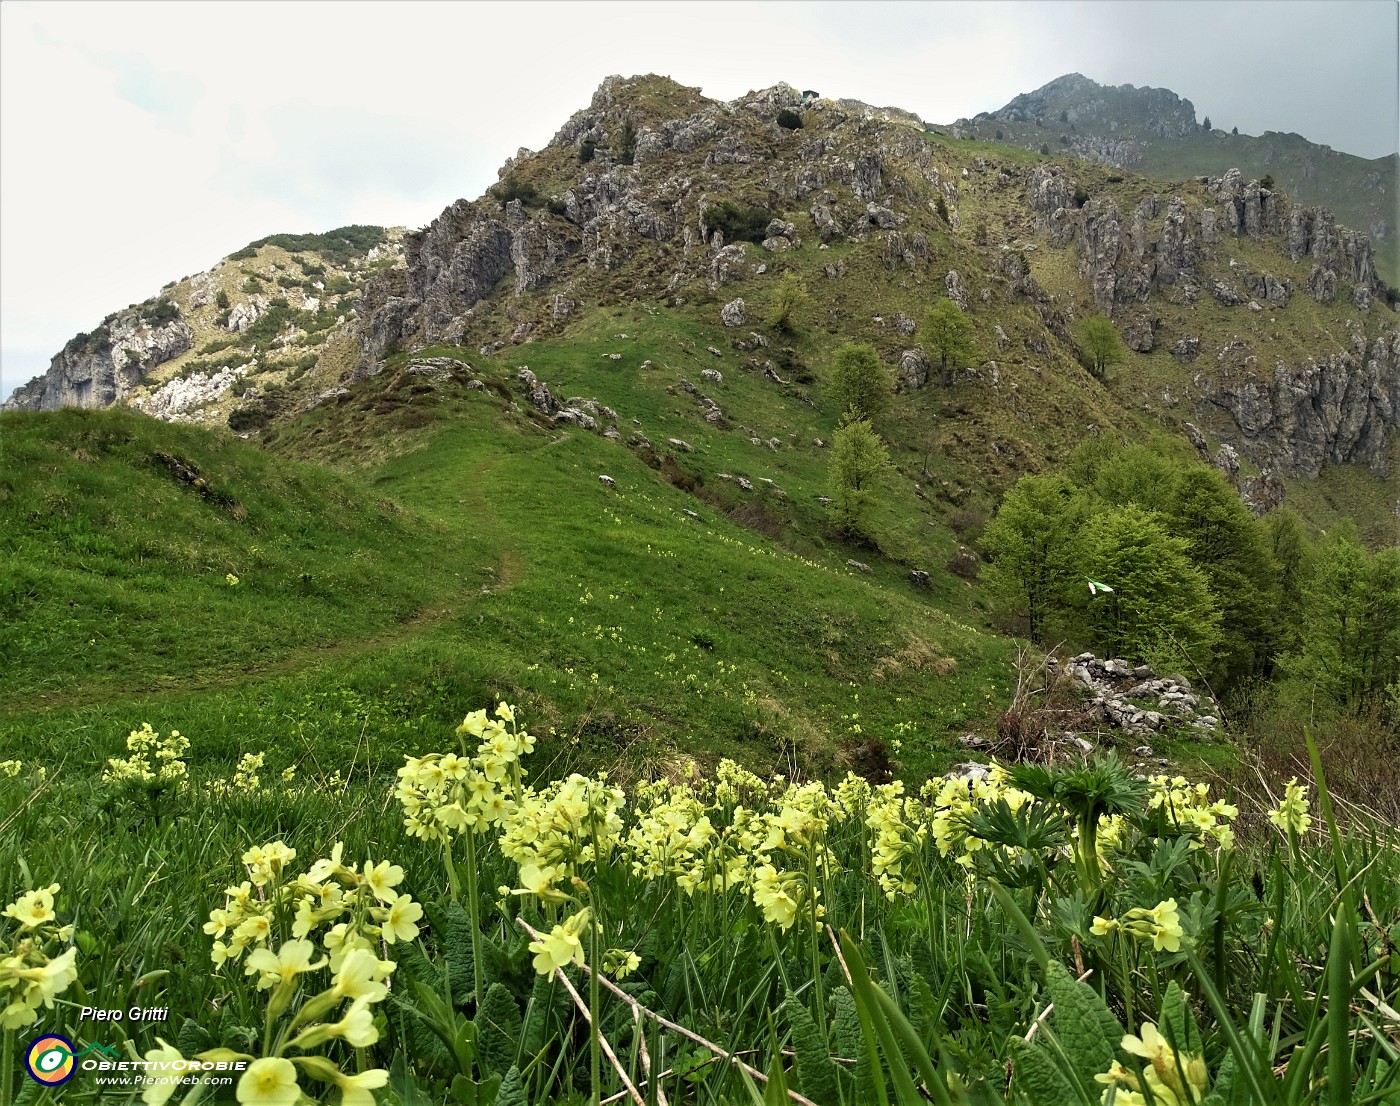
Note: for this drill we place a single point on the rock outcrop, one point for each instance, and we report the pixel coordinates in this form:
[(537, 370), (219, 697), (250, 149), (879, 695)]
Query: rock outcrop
[(1336, 408), (98, 369)]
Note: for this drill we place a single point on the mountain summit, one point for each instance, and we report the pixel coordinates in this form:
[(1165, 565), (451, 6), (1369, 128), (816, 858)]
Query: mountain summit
[(1252, 320), (1156, 132)]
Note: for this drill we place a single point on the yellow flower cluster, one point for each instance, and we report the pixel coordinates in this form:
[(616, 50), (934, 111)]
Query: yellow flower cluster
[(1292, 815), (32, 971), (355, 907), (443, 794), (155, 761), (899, 832), (551, 833), (11, 767), (1161, 925), (1190, 808), (1171, 1080)]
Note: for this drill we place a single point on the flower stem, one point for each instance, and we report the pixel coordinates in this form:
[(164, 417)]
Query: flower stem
[(7, 1068), (474, 909), (595, 1062)]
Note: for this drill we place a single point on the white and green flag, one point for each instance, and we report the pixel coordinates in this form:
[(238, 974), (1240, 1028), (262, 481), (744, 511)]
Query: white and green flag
[(1095, 587)]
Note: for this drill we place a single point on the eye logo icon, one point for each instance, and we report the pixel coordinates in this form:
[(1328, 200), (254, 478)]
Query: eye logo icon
[(49, 1060)]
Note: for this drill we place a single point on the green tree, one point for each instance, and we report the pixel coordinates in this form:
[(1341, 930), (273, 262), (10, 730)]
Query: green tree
[(787, 303), (1101, 345), (857, 456), (857, 382), (1033, 543), (947, 333), (1232, 549), (1350, 651), (1160, 609), (1291, 550)]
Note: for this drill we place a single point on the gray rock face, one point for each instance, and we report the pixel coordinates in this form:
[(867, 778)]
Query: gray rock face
[(175, 399), (1140, 333), (1226, 294), (881, 217), (729, 264), (1338, 408), (1178, 256), (1050, 194), (1187, 349), (913, 368), (734, 313), (1262, 493), (956, 292), (105, 365)]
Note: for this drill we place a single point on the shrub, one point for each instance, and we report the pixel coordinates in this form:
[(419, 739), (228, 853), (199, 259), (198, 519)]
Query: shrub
[(738, 222), (787, 303), (627, 143), (1081, 196), (246, 418), (1266, 181), (252, 284), (221, 300), (1045, 149), (1000, 136), (941, 207), (789, 120), (516, 188), (338, 246), (587, 148), (160, 312)]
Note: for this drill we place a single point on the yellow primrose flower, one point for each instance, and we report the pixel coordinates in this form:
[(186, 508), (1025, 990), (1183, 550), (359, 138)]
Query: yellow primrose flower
[(1292, 815), (382, 878), (361, 976), (231, 579), (271, 1081), (398, 921), (1167, 936), (158, 1091), (620, 963), (282, 966), (562, 946), (355, 1089), (33, 909), (340, 940), (357, 1026), (256, 928), (1102, 927)]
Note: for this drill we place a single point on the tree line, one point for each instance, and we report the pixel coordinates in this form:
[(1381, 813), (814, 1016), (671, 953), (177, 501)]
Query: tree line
[(1194, 580)]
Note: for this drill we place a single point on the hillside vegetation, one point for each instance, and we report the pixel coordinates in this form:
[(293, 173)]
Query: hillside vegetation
[(738, 472)]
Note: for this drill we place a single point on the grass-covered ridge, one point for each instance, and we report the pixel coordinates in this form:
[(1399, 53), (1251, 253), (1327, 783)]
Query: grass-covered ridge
[(121, 535)]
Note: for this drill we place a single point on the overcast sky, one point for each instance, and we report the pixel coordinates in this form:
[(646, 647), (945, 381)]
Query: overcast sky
[(140, 143)]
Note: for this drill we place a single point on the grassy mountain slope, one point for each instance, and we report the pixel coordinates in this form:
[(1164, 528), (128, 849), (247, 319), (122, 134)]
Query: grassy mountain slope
[(615, 614), (121, 534)]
